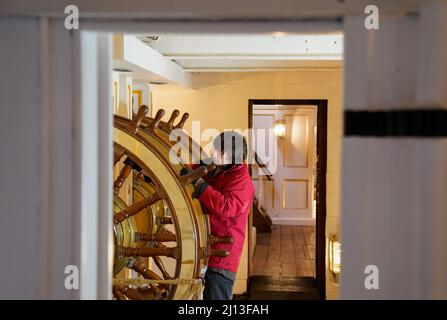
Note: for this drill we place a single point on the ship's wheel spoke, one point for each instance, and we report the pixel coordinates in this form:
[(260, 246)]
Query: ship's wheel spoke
[(135, 208), (139, 266), (149, 252), (124, 174), (160, 265), (166, 236)]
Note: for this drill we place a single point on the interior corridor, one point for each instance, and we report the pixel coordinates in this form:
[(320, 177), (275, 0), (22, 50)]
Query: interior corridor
[(289, 251)]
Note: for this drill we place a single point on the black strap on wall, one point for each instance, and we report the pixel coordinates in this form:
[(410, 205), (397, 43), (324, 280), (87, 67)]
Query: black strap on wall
[(396, 123)]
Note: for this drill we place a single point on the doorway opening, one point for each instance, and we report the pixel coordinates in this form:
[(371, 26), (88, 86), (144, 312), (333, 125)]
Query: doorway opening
[(193, 75), (189, 81), (289, 211)]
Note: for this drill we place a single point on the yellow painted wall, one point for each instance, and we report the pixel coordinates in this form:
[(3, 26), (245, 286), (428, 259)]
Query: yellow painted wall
[(220, 101)]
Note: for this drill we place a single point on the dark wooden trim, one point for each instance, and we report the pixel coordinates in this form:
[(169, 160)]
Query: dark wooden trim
[(320, 261), (250, 215), (320, 247), (396, 123)]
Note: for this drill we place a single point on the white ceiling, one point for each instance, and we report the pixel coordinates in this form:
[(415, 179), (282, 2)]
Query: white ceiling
[(179, 59), (279, 51)]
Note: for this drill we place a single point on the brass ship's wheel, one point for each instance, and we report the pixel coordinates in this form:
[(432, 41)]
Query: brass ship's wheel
[(162, 233)]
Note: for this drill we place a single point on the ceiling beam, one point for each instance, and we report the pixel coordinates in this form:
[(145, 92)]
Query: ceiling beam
[(193, 10), (279, 46), (145, 63)]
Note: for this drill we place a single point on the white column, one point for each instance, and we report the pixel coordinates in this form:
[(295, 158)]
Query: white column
[(62, 163), (55, 161), (432, 62), (115, 90), (105, 167), (431, 157), (96, 166), (23, 241), (142, 96), (125, 96), (394, 194)]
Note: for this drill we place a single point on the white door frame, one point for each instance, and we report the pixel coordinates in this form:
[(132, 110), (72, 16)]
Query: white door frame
[(56, 130), (73, 83), (57, 230), (190, 27)]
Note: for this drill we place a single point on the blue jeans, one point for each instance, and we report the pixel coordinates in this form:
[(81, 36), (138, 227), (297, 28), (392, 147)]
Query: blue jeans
[(217, 287)]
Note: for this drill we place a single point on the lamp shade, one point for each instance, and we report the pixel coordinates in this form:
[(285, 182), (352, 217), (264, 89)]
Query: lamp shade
[(334, 256), (280, 128)]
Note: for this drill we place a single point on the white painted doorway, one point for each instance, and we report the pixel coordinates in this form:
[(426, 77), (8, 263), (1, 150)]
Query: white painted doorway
[(289, 196), (69, 94)]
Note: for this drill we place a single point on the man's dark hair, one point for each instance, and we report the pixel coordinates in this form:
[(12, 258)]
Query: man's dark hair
[(232, 143)]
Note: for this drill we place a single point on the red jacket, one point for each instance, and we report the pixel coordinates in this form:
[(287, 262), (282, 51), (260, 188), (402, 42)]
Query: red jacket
[(228, 198)]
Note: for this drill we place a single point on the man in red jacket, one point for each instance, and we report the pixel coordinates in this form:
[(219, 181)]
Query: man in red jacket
[(227, 194)]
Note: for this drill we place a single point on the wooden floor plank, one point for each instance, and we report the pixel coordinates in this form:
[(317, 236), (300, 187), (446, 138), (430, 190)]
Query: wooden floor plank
[(287, 251)]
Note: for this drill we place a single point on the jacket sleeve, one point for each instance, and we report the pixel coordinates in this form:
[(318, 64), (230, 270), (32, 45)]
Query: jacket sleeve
[(227, 204)]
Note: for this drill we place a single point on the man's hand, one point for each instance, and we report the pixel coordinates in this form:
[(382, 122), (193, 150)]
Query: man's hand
[(199, 184), (185, 170)]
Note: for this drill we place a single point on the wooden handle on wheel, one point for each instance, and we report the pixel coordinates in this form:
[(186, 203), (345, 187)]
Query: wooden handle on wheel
[(171, 120), (134, 125), (182, 121), (149, 252), (208, 252), (212, 239), (159, 237), (154, 124)]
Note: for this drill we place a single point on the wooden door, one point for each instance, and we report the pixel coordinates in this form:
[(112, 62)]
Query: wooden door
[(289, 196)]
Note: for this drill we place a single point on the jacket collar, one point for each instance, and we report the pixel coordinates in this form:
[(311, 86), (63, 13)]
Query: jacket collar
[(226, 168)]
